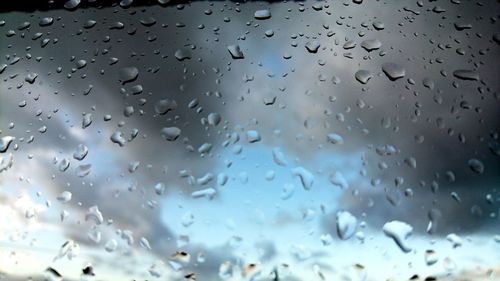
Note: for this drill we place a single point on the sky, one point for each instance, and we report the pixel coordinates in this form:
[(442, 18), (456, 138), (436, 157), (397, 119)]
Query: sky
[(283, 162)]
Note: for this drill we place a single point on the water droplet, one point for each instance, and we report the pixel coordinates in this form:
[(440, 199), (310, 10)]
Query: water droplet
[(312, 46), (128, 74), (144, 243), (214, 119), (187, 219), (160, 188), (31, 77), (287, 191), (46, 21), (306, 177), (170, 133), (371, 44), (5, 143), (111, 245), (346, 225), (393, 71), (63, 165), (235, 51), (94, 214), (465, 74), (64, 197), (262, 14), (349, 45), (253, 136), (83, 170), (51, 274), (71, 4), (205, 148), (378, 25), (338, 179), (183, 54), (399, 231), (86, 120), (455, 240), (363, 76), (334, 138), (117, 137), (162, 107), (476, 166), (430, 257), (207, 192), (335, 80), (81, 152)]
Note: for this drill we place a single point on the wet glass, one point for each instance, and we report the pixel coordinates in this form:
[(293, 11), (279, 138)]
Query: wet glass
[(282, 140)]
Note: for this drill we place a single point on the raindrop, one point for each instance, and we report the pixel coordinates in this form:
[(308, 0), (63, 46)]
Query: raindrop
[(111, 245), (128, 74), (117, 137), (214, 119), (162, 107), (64, 197), (87, 120), (170, 133), (83, 170), (335, 138), (81, 152), (363, 76), (346, 225), (5, 143), (455, 240), (31, 77), (430, 257), (393, 71), (312, 46), (378, 25), (306, 177), (182, 54), (466, 74), (71, 4), (262, 14), (63, 165), (235, 51), (399, 231), (371, 44), (46, 21), (279, 157), (476, 166), (94, 214), (253, 136)]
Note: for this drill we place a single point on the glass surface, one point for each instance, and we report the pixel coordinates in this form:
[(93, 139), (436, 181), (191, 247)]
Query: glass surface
[(283, 140)]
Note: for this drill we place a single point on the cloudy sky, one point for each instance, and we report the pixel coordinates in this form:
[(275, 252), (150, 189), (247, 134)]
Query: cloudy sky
[(346, 141)]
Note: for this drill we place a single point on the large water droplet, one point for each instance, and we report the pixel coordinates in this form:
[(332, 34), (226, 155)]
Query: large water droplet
[(128, 74), (346, 225), (171, 133), (235, 51), (393, 71), (465, 74), (262, 14), (363, 76), (399, 231)]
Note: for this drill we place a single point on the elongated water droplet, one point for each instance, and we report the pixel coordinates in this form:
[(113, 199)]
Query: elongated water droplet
[(262, 14), (399, 231), (306, 177)]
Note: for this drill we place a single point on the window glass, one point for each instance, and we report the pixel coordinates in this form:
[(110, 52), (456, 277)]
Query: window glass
[(281, 140)]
